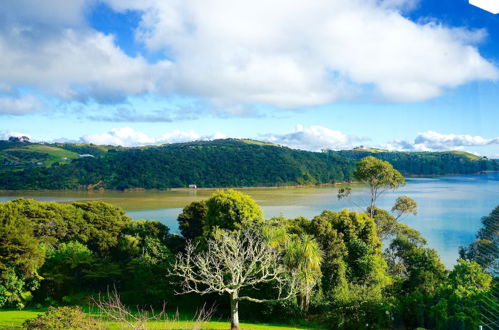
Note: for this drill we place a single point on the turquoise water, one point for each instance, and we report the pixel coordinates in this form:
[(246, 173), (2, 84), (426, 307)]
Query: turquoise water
[(449, 208)]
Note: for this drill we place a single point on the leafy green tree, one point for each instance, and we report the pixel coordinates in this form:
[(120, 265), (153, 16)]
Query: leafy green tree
[(379, 175), (404, 205), (485, 249), (104, 223), (64, 269), (231, 210), (21, 255), (15, 290), (462, 298), (192, 219), (417, 273), (387, 228), (142, 283), (19, 247)]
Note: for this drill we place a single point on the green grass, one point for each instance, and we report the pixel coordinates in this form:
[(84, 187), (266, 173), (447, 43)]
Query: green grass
[(53, 154), (13, 319), (260, 143), (465, 154)]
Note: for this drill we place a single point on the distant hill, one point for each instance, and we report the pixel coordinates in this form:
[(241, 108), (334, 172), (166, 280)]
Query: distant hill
[(218, 163)]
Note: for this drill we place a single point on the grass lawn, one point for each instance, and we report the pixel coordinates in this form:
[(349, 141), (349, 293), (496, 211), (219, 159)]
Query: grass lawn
[(13, 319)]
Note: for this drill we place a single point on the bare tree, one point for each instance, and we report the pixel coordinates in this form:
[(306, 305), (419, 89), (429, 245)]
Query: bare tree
[(232, 261)]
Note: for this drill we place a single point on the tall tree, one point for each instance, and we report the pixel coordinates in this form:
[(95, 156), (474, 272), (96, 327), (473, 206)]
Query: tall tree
[(232, 261), (379, 175)]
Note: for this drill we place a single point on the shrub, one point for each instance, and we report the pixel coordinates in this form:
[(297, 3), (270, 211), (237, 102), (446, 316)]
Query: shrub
[(62, 318)]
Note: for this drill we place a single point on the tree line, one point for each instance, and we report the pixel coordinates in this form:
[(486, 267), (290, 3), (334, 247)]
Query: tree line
[(221, 163)]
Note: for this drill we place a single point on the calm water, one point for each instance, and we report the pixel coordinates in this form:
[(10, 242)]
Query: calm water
[(449, 208)]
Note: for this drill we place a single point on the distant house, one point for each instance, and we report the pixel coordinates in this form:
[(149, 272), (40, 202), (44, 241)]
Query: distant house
[(86, 156), (193, 186)]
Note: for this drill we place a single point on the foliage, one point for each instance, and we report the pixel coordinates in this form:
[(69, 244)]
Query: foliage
[(65, 268), (427, 163), (462, 296), (192, 219), (417, 273), (387, 228), (404, 205), (15, 290), (62, 318), (231, 210), (19, 248), (485, 249), (379, 175), (303, 257), (79, 248), (219, 163)]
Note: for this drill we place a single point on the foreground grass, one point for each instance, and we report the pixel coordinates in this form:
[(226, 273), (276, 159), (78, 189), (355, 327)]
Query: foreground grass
[(13, 319)]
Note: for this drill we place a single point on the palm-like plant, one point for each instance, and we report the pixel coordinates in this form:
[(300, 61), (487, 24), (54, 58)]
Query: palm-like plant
[(303, 255)]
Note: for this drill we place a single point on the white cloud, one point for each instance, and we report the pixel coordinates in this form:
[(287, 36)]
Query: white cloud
[(305, 53), (488, 5), (433, 141), (75, 65), (20, 105), (4, 135), (129, 137), (124, 136), (313, 138), (236, 53)]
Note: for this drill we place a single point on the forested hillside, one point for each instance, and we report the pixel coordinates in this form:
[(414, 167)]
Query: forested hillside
[(219, 163), (427, 163)]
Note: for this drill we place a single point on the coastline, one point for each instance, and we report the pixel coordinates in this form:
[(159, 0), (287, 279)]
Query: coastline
[(337, 184)]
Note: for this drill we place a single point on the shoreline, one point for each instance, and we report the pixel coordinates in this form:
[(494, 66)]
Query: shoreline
[(338, 184), (97, 191)]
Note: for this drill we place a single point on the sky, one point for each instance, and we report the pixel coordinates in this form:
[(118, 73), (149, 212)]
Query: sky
[(414, 75)]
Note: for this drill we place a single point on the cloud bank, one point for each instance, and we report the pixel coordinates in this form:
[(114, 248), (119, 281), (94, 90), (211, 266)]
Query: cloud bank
[(129, 137), (237, 53), (433, 141), (313, 138)]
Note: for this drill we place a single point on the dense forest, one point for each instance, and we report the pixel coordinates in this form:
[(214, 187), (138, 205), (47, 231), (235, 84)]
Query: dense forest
[(219, 163)]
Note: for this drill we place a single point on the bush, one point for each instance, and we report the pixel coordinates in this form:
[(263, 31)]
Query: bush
[(62, 318)]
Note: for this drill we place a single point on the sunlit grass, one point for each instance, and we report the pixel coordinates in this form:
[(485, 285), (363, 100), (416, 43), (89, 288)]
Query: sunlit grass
[(13, 319)]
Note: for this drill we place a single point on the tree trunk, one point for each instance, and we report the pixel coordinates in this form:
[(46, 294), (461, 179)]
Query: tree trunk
[(373, 202), (234, 311)]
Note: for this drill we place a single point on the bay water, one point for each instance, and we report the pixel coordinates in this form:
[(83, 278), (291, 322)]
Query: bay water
[(449, 208)]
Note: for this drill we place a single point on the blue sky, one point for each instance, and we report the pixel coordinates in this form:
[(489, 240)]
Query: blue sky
[(396, 74)]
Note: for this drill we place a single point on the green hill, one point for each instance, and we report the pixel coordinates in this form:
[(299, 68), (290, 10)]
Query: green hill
[(218, 163)]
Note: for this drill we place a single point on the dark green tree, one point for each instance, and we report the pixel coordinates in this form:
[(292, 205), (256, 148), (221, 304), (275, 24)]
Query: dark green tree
[(192, 219)]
